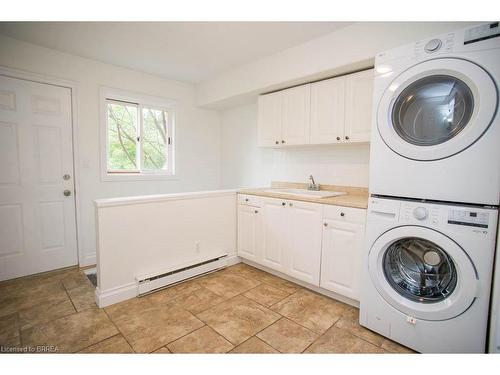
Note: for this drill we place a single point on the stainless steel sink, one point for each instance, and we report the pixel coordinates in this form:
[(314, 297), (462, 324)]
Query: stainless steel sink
[(307, 193)]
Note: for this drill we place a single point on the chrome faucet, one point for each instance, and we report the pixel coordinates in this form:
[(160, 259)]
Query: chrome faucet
[(313, 185)]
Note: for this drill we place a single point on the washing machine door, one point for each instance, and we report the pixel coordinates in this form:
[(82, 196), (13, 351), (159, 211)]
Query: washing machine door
[(437, 109), (422, 273)]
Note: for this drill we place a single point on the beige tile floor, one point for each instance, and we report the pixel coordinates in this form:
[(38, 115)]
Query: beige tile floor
[(236, 310)]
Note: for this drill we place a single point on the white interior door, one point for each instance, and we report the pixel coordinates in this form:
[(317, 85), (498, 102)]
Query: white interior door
[(37, 221)]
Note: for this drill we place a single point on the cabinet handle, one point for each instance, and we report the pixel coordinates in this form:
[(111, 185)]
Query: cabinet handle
[(347, 137), (342, 214), (290, 204), (325, 224), (256, 211), (246, 199), (338, 138), (283, 203), (282, 141), (277, 142)]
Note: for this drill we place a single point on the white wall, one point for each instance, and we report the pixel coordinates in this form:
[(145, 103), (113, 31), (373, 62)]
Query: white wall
[(342, 51), (178, 230), (246, 165), (198, 131)]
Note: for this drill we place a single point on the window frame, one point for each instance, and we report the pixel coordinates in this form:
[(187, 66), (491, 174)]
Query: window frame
[(141, 101)]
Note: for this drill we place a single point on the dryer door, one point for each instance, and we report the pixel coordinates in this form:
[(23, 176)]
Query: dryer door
[(422, 273), (437, 109)]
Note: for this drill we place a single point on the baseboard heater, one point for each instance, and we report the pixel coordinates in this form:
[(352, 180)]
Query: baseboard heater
[(149, 283)]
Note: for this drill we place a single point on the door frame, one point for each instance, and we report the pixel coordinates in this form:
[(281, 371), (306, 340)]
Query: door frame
[(73, 86)]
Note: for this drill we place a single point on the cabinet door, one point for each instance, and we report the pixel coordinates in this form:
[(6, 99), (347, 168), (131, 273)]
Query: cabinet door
[(274, 233), (358, 106), (296, 115), (248, 232), (341, 257), (303, 243), (327, 111), (270, 119)]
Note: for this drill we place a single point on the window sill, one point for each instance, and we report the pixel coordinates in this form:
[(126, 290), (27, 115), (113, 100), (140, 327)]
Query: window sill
[(124, 177)]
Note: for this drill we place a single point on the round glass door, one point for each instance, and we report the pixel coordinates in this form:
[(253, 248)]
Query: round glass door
[(419, 270), (432, 110), (435, 109)]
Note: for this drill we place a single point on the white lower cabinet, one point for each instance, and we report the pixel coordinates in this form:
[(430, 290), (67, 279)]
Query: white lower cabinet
[(315, 243), (343, 238), (249, 232), (303, 242)]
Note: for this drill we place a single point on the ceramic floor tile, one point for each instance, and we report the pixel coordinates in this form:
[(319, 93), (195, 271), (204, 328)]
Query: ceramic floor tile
[(287, 336), (9, 330), (337, 340), (115, 344), (75, 279), (238, 318), (266, 295), (122, 310), (254, 345), (394, 347), (83, 296), (72, 333), (162, 350), (166, 295), (13, 299), (350, 322), (311, 310), (45, 312), (150, 329), (203, 340), (198, 301), (227, 285), (250, 272)]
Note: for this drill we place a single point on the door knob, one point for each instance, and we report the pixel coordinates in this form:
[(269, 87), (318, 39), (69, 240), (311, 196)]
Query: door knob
[(67, 193)]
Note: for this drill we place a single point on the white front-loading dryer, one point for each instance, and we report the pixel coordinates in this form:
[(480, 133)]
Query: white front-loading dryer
[(436, 126), (427, 271)]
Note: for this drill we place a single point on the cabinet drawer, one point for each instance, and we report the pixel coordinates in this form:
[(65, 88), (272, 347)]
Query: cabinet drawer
[(249, 200), (347, 214)]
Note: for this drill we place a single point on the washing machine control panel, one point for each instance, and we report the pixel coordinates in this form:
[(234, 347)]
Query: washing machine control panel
[(474, 220), (471, 218)]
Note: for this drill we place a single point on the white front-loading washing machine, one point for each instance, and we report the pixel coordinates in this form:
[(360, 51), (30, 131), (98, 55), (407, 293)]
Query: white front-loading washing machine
[(427, 271), (436, 127)]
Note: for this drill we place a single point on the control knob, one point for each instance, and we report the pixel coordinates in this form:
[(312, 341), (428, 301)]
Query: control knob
[(420, 213)]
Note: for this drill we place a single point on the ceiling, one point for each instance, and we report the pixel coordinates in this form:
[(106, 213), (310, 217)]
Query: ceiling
[(186, 51)]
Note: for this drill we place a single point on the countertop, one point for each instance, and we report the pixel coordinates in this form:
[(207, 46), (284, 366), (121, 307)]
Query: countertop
[(356, 197)]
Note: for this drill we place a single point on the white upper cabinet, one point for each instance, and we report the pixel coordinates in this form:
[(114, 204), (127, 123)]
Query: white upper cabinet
[(327, 111), (358, 106), (296, 113), (270, 118), (336, 110)]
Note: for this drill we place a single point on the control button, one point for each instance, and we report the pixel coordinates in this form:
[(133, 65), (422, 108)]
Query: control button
[(433, 45), (420, 213)]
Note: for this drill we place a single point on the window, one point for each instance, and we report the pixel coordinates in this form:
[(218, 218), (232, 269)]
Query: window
[(138, 134)]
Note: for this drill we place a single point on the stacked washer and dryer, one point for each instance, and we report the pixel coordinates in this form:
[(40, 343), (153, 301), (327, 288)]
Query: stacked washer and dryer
[(435, 188)]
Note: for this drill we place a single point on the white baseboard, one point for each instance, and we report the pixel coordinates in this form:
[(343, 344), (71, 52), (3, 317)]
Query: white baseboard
[(317, 289), (111, 296), (122, 293)]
